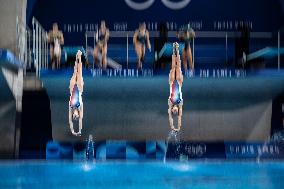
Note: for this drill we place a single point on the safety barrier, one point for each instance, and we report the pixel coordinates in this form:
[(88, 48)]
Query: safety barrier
[(23, 44), (31, 46), (40, 46)]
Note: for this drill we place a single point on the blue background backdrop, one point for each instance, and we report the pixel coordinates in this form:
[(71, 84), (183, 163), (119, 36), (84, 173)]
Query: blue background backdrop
[(265, 16)]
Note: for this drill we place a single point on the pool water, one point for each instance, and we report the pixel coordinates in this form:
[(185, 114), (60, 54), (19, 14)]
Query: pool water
[(148, 175)]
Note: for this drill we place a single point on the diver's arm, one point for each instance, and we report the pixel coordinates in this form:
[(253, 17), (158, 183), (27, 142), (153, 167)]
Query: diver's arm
[(148, 40), (107, 35), (82, 110), (97, 35), (81, 117), (179, 118), (135, 37), (70, 120), (61, 39), (181, 80), (171, 120), (49, 36)]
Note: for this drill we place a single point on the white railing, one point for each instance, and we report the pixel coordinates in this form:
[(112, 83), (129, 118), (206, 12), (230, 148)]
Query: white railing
[(32, 46), (40, 48), (23, 44)]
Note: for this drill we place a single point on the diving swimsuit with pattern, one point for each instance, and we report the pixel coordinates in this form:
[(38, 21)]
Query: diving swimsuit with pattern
[(75, 98), (176, 95)]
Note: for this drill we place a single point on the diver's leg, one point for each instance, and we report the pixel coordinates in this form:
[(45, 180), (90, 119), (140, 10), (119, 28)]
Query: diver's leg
[(80, 81), (73, 79), (189, 57), (139, 54), (179, 76), (142, 56), (171, 120), (52, 57), (104, 56), (81, 119), (70, 120), (184, 60), (171, 76), (96, 56), (179, 118), (59, 58)]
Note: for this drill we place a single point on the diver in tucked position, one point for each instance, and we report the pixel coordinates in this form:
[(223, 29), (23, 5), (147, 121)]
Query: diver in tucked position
[(185, 35), (175, 100), (76, 90), (56, 39), (140, 38), (102, 38)]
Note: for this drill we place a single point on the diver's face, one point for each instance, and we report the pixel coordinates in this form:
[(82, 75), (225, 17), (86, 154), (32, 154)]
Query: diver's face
[(103, 25), (55, 27), (175, 110), (143, 26), (187, 33), (75, 114)]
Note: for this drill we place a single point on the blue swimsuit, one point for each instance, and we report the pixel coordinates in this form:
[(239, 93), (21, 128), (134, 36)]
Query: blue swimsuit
[(102, 37), (141, 39)]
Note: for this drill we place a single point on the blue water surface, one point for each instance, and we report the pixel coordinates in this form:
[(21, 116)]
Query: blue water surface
[(148, 175)]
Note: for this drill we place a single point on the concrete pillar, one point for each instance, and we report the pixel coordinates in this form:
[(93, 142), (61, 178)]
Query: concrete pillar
[(9, 10)]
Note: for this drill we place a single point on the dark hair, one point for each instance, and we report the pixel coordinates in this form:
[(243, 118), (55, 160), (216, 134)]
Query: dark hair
[(142, 24)]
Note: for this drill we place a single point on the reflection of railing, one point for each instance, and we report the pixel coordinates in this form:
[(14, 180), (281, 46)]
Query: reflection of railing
[(40, 46)]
